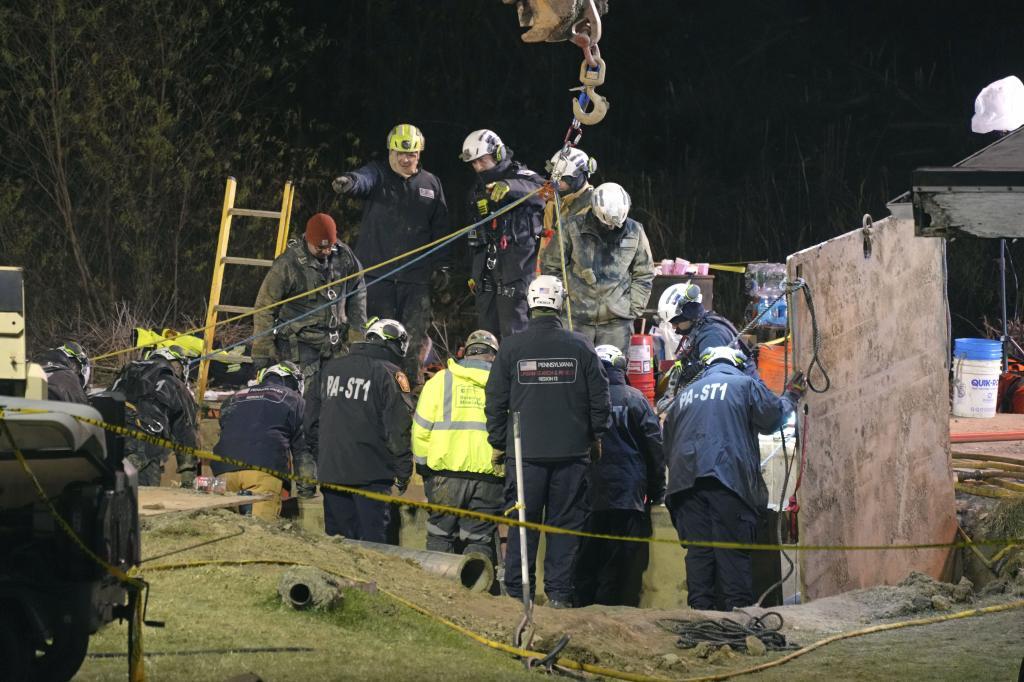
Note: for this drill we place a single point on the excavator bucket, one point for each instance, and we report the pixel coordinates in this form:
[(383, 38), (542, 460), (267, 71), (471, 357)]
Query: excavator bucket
[(551, 21)]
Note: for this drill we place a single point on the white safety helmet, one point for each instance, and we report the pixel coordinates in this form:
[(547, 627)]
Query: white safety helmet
[(74, 351), (612, 355), (569, 161), (286, 370), (670, 299), (481, 143), (546, 291), (610, 203), (389, 331), (716, 353)]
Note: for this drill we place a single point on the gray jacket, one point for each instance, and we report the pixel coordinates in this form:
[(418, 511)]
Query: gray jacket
[(609, 271)]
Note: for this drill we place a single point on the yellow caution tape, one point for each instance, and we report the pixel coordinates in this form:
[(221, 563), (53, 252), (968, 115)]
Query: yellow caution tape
[(114, 571), (354, 275), (775, 342), (500, 646), (530, 525), (136, 668)]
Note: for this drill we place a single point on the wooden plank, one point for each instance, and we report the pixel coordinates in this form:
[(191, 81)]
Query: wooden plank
[(982, 490), (1010, 453), (997, 424), (981, 462), (155, 500), (878, 469)]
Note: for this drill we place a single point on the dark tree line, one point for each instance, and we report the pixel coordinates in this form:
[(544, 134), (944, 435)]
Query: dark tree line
[(742, 130)]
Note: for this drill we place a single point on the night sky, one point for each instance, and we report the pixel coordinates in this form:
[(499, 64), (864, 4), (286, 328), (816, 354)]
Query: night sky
[(742, 130)]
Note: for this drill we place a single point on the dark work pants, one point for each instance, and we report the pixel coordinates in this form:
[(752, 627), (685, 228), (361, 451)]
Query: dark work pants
[(409, 303), (610, 571), (309, 360), (716, 579), (557, 494), (356, 517), (501, 308), (459, 534)]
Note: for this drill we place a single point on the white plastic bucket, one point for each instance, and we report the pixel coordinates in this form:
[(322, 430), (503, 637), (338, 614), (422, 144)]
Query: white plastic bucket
[(975, 387)]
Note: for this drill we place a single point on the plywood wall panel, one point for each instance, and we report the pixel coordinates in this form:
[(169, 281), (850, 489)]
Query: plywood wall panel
[(878, 468)]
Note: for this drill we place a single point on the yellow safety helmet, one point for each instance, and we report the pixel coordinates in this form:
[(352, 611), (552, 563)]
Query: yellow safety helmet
[(405, 137)]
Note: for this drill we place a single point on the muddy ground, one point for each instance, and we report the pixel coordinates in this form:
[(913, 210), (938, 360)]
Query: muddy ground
[(985, 647)]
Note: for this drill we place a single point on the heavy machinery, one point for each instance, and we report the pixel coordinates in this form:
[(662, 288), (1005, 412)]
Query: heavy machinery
[(54, 593), (550, 21)]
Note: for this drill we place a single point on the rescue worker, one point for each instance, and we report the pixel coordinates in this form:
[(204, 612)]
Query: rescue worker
[(403, 208), (68, 371), (262, 425), (449, 444), (624, 485), (366, 415), (715, 488), (571, 169), (504, 250), (554, 380), (310, 338), (159, 402), (609, 267), (699, 329)]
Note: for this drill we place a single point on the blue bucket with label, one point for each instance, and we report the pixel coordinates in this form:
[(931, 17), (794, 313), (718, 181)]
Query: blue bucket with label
[(977, 364)]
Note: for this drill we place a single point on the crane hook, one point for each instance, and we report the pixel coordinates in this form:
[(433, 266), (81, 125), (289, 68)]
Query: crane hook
[(598, 110)]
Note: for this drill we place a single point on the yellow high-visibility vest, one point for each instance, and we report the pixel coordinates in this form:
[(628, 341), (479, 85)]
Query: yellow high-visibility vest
[(449, 429)]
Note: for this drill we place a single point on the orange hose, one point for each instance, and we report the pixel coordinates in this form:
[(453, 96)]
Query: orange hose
[(981, 437)]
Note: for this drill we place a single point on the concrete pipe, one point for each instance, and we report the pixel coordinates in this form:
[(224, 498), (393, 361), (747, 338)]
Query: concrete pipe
[(305, 587), (474, 571)]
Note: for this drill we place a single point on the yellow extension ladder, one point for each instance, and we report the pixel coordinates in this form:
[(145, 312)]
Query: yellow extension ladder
[(215, 307)]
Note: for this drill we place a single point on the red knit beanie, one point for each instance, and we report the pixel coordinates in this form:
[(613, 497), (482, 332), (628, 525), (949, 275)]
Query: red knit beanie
[(321, 230)]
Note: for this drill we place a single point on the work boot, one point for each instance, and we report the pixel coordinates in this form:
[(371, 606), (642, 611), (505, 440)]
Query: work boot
[(305, 467), (559, 604)]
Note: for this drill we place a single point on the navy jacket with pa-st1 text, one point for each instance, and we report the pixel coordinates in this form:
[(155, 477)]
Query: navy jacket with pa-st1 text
[(365, 418), (711, 431), (554, 379)]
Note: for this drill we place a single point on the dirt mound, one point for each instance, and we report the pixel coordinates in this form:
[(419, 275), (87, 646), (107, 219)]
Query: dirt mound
[(917, 593)]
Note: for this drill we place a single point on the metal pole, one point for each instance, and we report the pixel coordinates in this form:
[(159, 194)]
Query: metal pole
[(524, 563), (1002, 299)]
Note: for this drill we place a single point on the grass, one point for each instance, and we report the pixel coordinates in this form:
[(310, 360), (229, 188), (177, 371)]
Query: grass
[(984, 648), (369, 638)]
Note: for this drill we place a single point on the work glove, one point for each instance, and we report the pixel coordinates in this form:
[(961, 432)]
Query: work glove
[(305, 466), (498, 462), (402, 484), (498, 190), (441, 278), (482, 207), (596, 450), (342, 184), (546, 191), (188, 478), (796, 388)]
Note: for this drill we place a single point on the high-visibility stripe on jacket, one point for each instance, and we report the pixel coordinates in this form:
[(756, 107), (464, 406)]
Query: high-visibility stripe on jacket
[(449, 428)]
